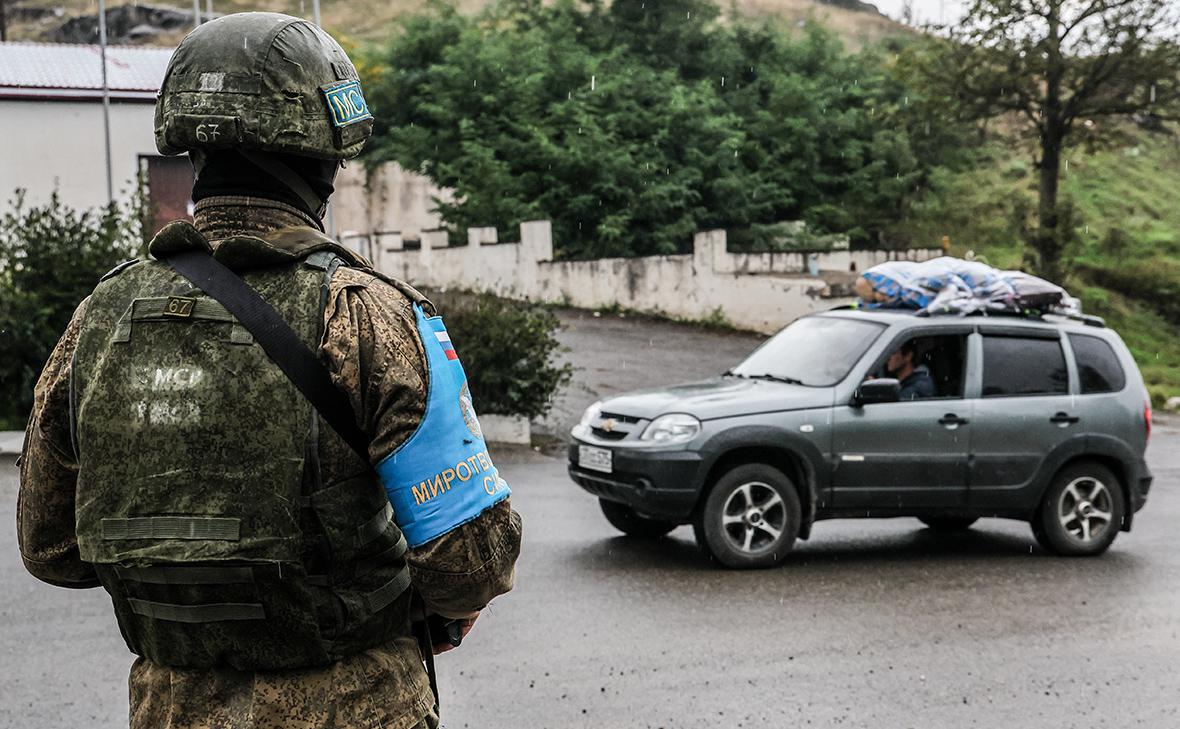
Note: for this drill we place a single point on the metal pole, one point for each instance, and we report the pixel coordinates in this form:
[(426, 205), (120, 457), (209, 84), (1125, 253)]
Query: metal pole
[(209, 9), (196, 13), (315, 11), (106, 95)]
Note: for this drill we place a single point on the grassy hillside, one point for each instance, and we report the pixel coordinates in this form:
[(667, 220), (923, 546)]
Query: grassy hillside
[(370, 19), (1125, 263)]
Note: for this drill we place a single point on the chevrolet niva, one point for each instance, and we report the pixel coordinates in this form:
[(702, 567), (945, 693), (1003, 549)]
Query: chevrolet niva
[(877, 413)]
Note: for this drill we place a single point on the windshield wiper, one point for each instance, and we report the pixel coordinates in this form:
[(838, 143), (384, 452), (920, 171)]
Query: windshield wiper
[(776, 378), (731, 373)]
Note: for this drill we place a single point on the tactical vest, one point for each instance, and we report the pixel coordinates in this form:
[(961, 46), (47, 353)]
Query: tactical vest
[(201, 500)]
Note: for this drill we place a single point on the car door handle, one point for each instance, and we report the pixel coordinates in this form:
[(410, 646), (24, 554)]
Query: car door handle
[(1064, 418), (952, 419)]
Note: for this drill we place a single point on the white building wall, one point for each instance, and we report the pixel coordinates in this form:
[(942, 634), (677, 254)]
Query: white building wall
[(384, 200), (48, 144)]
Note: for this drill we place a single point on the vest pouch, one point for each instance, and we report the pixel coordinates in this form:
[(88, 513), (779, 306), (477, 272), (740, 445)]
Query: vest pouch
[(248, 619), (202, 515)]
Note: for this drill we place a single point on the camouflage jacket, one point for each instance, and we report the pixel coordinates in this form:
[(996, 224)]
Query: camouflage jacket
[(373, 352)]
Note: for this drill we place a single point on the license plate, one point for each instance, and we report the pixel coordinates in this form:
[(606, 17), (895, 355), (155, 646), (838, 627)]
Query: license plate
[(595, 459)]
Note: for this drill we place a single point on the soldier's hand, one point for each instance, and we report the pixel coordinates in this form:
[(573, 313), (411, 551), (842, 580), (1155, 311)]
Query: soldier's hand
[(466, 624)]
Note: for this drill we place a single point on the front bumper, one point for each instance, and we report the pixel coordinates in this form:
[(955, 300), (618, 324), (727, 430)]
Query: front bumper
[(662, 484)]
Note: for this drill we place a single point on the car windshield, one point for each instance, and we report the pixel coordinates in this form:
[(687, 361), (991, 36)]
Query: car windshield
[(817, 351)]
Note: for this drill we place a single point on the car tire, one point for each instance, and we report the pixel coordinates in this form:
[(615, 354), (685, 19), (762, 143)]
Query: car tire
[(1082, 511), (633, 524), (948, 523), (750, 518)]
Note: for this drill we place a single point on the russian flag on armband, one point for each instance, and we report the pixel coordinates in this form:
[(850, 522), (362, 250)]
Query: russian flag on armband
[(445, 340)]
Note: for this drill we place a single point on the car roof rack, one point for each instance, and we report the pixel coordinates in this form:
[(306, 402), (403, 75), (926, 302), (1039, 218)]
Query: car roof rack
[(1034, 314)]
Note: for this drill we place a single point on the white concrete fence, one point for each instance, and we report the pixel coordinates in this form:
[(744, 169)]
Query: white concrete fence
[(756, 291)]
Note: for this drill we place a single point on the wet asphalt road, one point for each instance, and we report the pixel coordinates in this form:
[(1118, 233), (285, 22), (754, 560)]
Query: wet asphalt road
[(868, 624)]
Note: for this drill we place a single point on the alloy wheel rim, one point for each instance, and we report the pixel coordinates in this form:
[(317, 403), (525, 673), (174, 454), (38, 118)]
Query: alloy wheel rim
[(1085, 509), (754, 517)]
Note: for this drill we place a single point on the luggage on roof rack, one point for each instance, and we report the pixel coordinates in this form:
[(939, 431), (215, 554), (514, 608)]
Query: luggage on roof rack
[(947, 285)]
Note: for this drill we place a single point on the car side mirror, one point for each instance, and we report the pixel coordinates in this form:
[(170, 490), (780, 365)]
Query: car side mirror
[(881, 390)]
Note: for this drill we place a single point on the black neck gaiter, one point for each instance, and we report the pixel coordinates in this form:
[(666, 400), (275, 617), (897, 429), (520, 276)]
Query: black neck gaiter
[(226, 172)]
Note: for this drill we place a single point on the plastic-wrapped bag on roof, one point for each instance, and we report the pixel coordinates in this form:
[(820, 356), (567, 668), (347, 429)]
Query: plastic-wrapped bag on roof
[(947, 285), (892, 285), (978, 280)]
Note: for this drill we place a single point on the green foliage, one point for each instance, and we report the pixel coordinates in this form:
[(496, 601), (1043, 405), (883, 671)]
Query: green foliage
[(633, 125), (51, 257), (1058, 71), (508, 349)]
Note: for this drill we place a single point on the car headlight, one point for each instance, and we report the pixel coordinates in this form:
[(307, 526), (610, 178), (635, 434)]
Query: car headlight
[(672, 428), (591, 414)]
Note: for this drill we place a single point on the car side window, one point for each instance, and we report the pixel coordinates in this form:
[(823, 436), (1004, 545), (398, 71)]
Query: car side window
[(1023, 366), (1098, 366), (928, 367)]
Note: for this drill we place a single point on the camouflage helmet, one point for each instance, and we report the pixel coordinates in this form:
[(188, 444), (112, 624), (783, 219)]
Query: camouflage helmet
[(265, 82)]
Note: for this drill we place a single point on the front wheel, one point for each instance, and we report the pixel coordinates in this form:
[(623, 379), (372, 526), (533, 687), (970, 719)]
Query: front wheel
[(633, 524), (750, 518), (1082, 511)]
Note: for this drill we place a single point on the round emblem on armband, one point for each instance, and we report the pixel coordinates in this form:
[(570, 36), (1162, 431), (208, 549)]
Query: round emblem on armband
[(468, 409)]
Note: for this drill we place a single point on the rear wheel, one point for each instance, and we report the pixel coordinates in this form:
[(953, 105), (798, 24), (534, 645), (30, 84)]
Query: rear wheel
[(948, 523), (1081, 512), (750, 518), (631, 523)]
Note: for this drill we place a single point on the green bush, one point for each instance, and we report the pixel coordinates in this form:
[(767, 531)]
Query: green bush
[(507, 348), (51, 257)]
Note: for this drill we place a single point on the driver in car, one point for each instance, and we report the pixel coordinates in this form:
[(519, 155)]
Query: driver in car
[(916, 380)]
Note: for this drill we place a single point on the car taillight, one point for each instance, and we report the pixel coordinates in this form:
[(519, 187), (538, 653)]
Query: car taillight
[(1147, 419)]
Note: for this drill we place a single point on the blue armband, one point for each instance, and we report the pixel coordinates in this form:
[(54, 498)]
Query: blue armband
[(442, 477)]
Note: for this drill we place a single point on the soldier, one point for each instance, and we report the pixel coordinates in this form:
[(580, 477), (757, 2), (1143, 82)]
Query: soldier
[(263, 555)]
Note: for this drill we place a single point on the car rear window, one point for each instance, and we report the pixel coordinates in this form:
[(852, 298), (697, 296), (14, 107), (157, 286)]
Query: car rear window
[(1098, 365), (1014, 366)]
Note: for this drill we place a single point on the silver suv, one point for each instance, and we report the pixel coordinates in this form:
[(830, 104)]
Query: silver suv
[(1043, 419)]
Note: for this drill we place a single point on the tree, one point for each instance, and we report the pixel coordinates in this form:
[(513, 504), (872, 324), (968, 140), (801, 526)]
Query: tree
[(631, 125), (51, 257), (1054, 65)]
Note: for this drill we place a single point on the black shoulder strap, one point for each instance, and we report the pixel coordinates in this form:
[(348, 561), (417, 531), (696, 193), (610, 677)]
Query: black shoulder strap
[(284, 347)]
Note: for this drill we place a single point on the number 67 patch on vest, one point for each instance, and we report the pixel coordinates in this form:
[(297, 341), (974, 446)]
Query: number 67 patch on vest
[(443, 476)]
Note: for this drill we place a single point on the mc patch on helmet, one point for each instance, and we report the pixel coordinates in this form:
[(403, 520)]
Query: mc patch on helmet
[(346, 102)]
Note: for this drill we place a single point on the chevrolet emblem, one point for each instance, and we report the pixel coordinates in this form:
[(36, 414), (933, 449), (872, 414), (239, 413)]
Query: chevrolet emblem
[(609, 424)]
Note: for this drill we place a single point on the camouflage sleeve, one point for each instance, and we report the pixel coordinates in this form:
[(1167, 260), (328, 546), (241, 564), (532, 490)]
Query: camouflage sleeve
[(371, 346), (48, 476)]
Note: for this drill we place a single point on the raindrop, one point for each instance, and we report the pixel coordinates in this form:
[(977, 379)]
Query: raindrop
[(1153, 93), (474, 82), (722, 80), (593, 82)]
